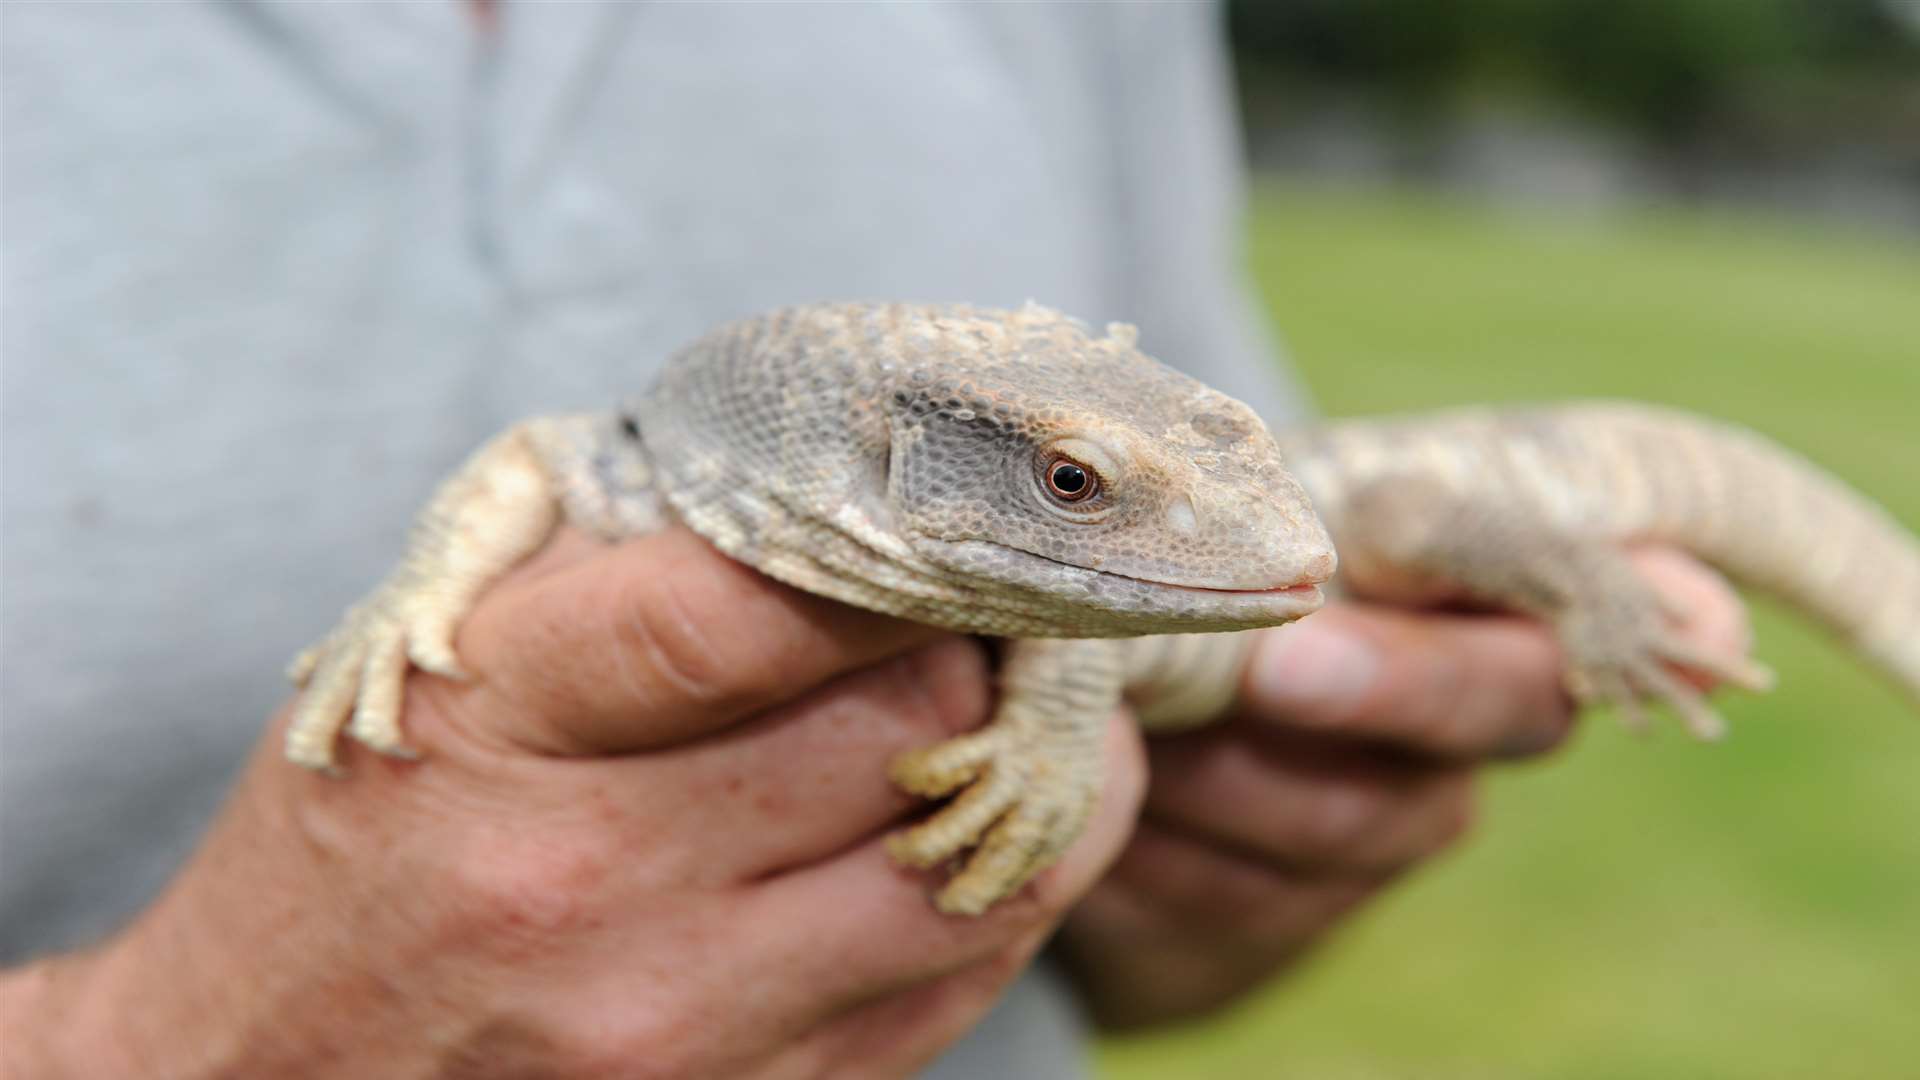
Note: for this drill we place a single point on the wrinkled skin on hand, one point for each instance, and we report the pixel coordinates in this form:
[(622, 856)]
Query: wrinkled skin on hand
[(650, 843), (647, 843)]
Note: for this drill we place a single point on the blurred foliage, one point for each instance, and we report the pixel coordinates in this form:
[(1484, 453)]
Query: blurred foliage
[(1632, 907), (1667, 69)]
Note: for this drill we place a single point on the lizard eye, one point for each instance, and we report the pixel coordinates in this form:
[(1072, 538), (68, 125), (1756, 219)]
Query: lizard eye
[(1076, 478), (1069, 481)]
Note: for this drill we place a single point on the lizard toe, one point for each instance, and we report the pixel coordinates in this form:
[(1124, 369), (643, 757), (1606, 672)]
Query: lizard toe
[(1007, 859), (1031, 776), (323, 709), (945, 767), (376, 712), (1621, 652), (1699, 717), (1028, 839), (961, 824), (355, 680), (300, 669), (1609, 688), (429, 640), (1735, 670)]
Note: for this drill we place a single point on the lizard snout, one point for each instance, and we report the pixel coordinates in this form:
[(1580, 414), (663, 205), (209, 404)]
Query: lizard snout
[(1238, 541)]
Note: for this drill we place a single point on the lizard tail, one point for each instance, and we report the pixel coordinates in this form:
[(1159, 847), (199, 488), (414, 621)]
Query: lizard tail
[(1764, 515)]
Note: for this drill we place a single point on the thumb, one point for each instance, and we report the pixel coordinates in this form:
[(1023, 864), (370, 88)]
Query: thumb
[(1441, 683)]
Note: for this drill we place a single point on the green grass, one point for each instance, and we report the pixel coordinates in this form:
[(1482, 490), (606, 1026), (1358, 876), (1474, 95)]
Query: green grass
[(1631, 908)]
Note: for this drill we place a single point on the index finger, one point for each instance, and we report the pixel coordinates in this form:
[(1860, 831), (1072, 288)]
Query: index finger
[(655, 641)]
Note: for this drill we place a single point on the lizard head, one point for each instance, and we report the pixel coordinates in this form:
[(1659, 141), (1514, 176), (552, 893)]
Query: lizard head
[(1090, 487)]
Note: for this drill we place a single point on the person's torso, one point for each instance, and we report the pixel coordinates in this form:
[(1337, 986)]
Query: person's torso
[(272, 269)]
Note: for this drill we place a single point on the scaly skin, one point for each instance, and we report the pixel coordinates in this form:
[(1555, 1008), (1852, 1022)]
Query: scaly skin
[(898, 458), (903, 458), (1527, 510)]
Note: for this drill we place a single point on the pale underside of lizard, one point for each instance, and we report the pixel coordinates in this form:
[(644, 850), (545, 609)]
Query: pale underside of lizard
[(1009, 473)]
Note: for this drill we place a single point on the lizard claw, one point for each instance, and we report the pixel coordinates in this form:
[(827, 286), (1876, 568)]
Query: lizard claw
[(497, 509), (1622, 653), (1017, 810), (300, 669), (355, 679)]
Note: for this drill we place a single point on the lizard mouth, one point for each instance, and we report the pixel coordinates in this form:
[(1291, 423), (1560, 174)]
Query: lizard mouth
[(1042, 597), (1242, 607), (1292, 600), (1308, 589)]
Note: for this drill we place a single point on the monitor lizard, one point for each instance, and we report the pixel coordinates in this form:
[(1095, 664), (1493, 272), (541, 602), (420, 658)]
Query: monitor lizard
[(1013, 474)]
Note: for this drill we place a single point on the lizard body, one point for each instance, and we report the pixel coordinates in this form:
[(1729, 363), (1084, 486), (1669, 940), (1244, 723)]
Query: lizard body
[(1009, 473), (1528, 509)]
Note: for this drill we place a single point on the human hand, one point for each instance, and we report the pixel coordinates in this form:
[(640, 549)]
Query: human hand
[(647, 841), (1350, 758)]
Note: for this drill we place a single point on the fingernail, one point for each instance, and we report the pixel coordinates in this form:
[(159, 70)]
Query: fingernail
[(1312, 672)]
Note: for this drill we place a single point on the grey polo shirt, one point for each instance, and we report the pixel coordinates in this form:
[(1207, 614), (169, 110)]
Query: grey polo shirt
[(271, 269)]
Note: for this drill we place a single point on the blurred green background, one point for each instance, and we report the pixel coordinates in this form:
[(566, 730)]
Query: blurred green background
[(1633, 907), (1738, 232)]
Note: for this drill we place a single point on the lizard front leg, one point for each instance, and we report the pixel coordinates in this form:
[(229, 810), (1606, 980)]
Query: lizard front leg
[(498, 508), (1027, 782), (1413, 536)]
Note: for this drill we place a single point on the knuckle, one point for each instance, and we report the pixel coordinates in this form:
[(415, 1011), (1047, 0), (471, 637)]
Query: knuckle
[(669, 1042), (1243, 896), (1304, 910), (638, 1042), (539, 1043), (1416, 824), (1339, 821), (660, 626), (949, 682), (521, 891)]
